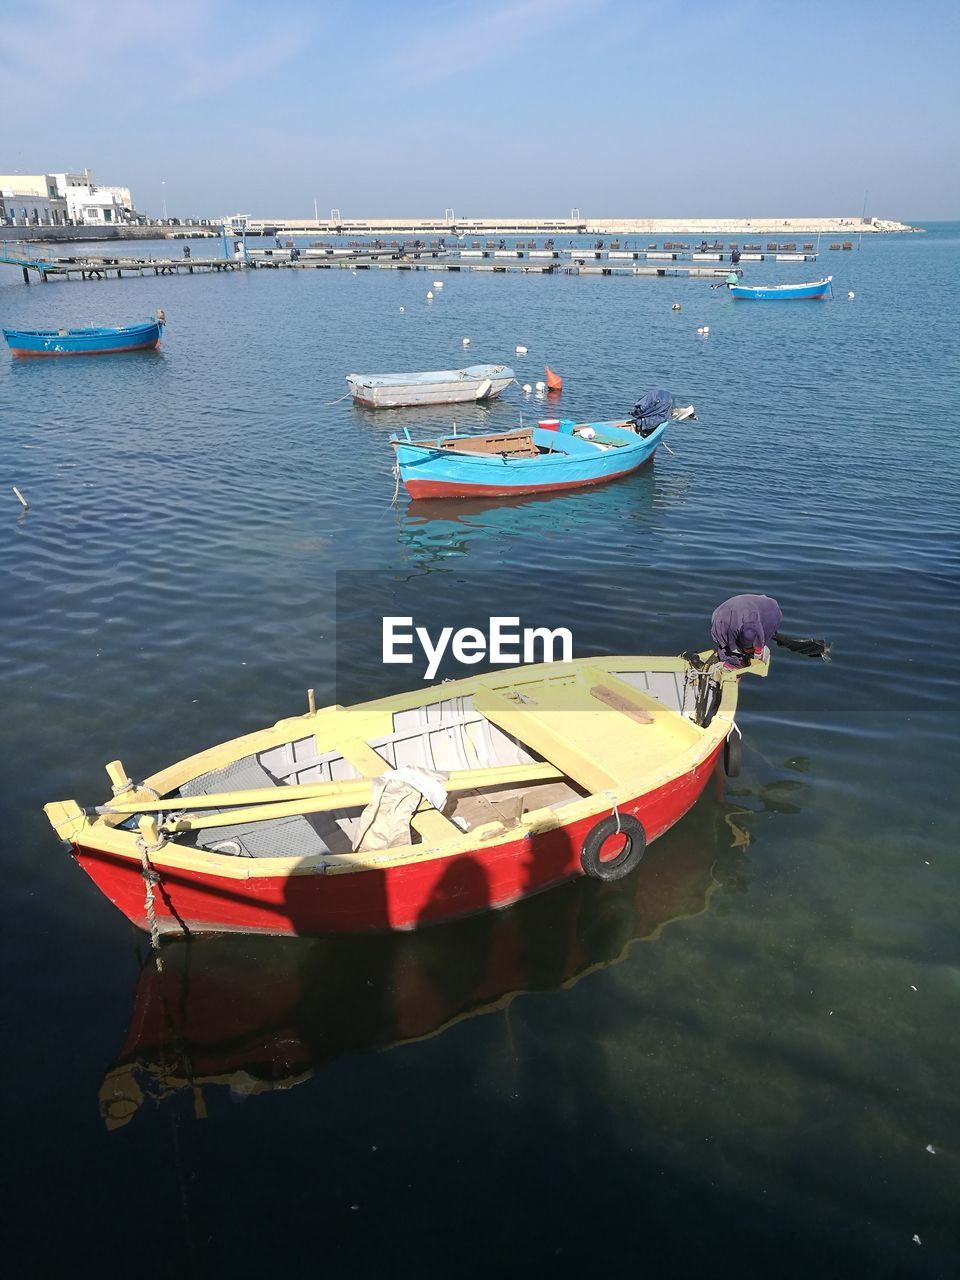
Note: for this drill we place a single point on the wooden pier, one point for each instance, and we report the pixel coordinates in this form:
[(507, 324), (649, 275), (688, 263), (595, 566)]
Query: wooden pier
[(49, 266), (672, 262)]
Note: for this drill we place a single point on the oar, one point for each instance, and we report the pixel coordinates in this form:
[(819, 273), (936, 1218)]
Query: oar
[(343, 794), (358, 795)]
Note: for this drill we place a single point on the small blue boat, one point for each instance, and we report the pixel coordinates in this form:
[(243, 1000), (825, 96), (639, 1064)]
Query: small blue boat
[(781, 292), (85, 342), (541, 459)]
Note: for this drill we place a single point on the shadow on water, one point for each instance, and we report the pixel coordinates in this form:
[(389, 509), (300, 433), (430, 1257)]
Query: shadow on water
[(257, 1014)]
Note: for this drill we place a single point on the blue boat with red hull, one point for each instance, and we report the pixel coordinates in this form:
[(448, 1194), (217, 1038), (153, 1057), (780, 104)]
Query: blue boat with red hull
[(85, 342), (539, 459)]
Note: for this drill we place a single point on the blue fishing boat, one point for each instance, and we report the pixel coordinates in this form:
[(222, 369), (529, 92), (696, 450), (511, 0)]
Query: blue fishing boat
[(552, 456), (780, 292), (85, 342)]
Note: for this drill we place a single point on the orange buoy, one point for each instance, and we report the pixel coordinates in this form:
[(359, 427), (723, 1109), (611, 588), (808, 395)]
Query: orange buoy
[(554, 381)]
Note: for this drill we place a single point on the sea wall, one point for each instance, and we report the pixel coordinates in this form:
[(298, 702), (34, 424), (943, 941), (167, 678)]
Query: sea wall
[(783, 228), (67, 235)]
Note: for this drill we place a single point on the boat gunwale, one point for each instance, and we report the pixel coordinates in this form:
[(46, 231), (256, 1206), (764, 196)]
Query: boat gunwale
[(103, 835), (431, 378), (633, 444)]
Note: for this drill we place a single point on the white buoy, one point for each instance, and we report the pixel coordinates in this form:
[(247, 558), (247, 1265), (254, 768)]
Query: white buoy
[(402, 309), (541, 386), (438, 284), (466, 342), (706, 328), (521, 351), (851, 295), (429, 296), (700, 330), (675, 307), (527, 388)]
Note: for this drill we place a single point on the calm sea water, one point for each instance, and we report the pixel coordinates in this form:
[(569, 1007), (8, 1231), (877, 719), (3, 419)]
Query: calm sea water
[(740, 1061)]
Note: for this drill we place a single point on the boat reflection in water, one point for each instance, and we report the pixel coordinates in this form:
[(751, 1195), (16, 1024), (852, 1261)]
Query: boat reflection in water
[(442, 527), (256, 1014)]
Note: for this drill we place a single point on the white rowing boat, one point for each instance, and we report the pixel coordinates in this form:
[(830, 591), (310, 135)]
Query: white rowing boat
[(442, 386)]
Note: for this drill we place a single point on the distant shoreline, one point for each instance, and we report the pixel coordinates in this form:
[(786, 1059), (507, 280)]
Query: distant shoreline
[(841, 228), (587, 226)]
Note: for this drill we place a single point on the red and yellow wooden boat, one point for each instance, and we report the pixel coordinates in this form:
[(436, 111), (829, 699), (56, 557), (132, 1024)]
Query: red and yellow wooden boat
[(551, 772)]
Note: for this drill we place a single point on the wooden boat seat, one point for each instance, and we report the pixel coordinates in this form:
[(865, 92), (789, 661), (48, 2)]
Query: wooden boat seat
[(431, 826), (515, 444), (554, 733), (568, 721)]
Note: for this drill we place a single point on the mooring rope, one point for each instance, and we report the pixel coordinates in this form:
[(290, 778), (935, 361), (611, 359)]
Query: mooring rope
[(150, 878), (615, 811)]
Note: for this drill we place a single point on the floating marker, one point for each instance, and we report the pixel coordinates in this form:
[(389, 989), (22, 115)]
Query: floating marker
[(554, 381), (527, 388), (521, 351), (706, 328), (402, 310), (429, 296), (438, 284), (466, 342), (675, 307), (541, 386), (851, 295)]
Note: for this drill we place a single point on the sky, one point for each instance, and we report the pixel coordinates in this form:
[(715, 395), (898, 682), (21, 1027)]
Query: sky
[(512, 107)]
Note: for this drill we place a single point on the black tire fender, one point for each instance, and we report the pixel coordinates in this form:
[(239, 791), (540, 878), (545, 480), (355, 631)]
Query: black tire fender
[(635, 844), (733, 753)]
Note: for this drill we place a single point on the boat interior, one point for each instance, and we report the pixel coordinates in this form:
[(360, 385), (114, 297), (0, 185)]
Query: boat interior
[(535, 442), (475, 373), (587, 731)]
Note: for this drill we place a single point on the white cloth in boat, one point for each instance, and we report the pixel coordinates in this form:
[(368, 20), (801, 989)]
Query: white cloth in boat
[(397, 793)]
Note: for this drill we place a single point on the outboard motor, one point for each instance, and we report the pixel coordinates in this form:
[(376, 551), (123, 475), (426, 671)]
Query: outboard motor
[(652, 409)]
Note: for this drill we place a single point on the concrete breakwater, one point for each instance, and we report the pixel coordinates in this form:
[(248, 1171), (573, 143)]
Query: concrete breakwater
[(783, 227), (71, 235), (693, 227)]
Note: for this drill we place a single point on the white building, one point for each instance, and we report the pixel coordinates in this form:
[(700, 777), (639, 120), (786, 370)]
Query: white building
[(90, 203), (53, 199), (31, 199)]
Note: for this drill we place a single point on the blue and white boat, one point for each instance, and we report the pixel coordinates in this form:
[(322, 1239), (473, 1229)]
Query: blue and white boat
[(441, 386), (780, 292), (540, 459), (85, 342)]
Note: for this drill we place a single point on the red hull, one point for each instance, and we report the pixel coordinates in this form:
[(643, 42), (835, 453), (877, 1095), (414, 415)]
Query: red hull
[(105, 351), (402, 897), (443, 489)]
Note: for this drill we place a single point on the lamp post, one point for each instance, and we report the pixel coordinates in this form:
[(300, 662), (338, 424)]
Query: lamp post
[(163, 198)]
